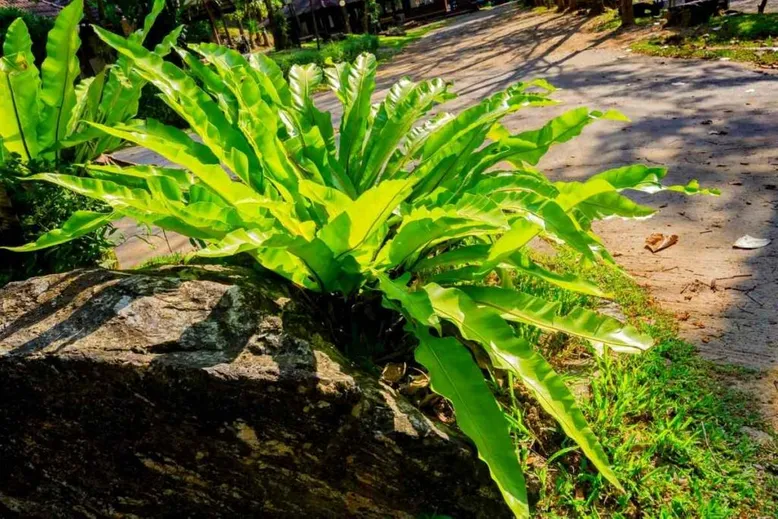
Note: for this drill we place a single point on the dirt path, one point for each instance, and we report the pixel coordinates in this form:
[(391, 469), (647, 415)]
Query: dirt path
[(725, 298)]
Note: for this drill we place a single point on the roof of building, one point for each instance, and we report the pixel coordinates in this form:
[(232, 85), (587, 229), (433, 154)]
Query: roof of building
[(39, 7)]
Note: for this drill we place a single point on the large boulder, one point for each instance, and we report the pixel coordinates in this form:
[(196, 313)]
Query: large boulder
[(201, 393)]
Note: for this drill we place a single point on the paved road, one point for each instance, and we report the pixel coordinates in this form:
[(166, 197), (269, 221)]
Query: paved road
[(732, 319)]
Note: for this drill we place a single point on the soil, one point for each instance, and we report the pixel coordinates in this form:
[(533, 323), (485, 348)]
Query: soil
[(710, 120)]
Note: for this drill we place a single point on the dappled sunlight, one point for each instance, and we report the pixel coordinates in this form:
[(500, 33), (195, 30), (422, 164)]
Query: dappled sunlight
[(713, 121)]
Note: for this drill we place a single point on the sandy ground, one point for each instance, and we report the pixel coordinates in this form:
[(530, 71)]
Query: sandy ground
[(714, 121)]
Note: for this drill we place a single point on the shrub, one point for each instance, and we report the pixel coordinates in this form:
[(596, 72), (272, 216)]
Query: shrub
[(333, 52), (39, 208), (42, 128), (400, 206)]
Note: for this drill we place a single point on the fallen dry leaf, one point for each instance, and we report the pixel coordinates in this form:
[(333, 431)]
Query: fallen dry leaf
[(393, 372), (658, 242)]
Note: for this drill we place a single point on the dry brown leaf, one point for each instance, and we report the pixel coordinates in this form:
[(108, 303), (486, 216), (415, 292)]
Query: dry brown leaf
[(658, 242), (393, 372)]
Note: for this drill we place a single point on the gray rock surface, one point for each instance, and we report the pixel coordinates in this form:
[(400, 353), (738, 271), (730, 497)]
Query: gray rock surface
[(195, 393)]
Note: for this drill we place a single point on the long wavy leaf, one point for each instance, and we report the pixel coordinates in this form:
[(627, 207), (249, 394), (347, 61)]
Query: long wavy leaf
[(455, 375), (58, 72), (174, 145), (194, 105), (517, 306), (360, 224), (79, 224), (19, 92), (513, 353), (19, 86), (354, 90)]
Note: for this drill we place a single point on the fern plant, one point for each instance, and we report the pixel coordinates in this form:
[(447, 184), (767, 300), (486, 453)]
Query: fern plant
[(45, 111), (396, 201)]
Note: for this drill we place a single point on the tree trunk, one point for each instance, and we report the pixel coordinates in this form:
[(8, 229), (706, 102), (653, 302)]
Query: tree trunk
[(572, 5), (10, 229), (224, 24), (597, 8), (346, 20), (100, 11), (212, 20), (240, 27), (627, 16), (255, 15), (297, 29), (253, 40), (365, 19), (315, 23), (279, 37), (227, 32), (761, 6)]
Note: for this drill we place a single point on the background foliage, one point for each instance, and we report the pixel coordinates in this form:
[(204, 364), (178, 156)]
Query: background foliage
[(39, 27), (40, 208)]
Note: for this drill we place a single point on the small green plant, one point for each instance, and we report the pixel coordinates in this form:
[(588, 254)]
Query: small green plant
[(43, 112), (396, 204)]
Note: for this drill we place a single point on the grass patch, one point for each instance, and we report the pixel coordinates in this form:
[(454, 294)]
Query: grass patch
[(748, 38), (607, 21), (670, 421), (390, 46), (384, 47), (333, 52), (610, 21)]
